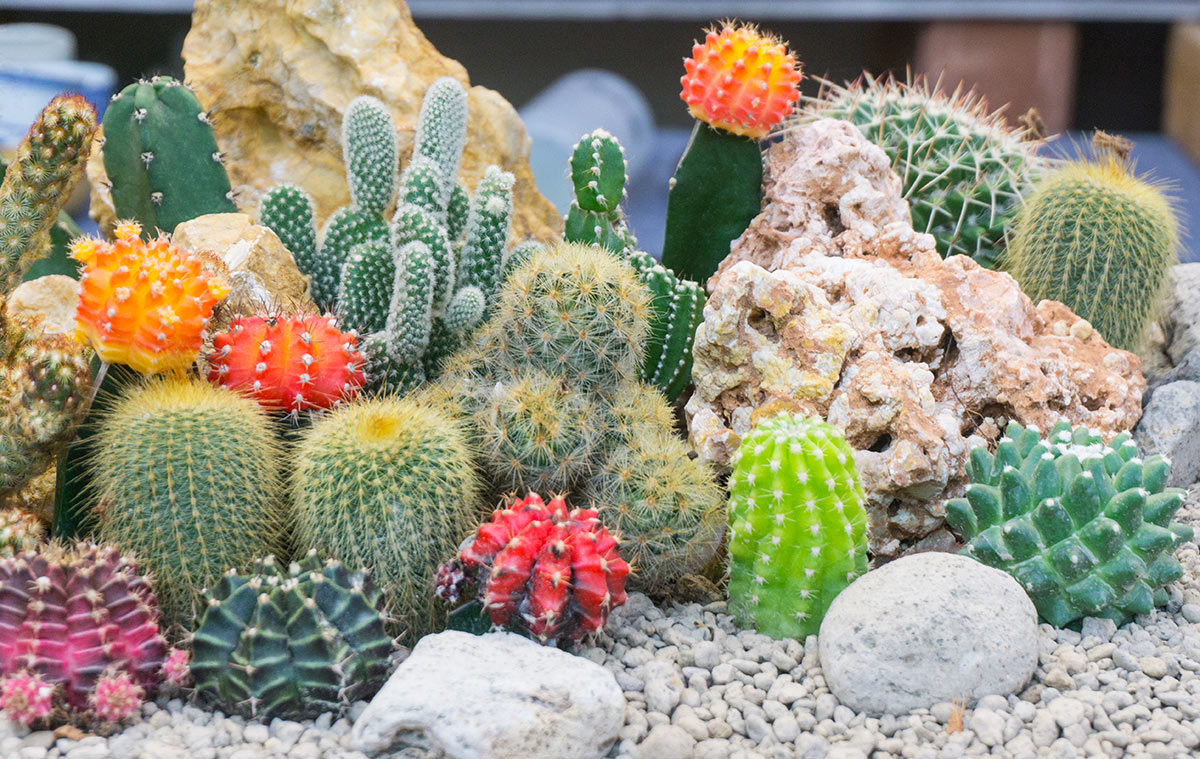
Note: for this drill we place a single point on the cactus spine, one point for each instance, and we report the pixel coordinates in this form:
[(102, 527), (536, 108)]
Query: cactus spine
[(798, 530), (1098, 239), (161, 156)]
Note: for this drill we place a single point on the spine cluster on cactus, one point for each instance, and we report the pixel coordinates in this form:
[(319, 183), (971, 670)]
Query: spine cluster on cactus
[(48, 164), (19, 531), (187, 477), (291, 643), (964, 169), (1099, 240), (288, 363), (161, 156), (79, 634), (1085, 527), (389, 484), (144, 304), (545, 570), (798, 530)]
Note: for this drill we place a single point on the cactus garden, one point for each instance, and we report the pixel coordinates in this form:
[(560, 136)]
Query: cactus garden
[(337, 440)]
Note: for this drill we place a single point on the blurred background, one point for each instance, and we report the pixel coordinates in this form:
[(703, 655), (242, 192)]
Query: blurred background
[(1130, 67)]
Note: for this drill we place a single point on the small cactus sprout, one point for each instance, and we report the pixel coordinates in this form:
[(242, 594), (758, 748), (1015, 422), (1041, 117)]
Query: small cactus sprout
[(798, 530), (26, 698), (116, 696), (176, 670), (552, 573)]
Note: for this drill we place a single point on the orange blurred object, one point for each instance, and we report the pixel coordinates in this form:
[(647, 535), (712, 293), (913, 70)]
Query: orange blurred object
[(741, 80), (143, 304)]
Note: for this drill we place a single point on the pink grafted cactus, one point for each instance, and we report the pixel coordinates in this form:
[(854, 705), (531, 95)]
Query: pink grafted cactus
[(116, 696), (26, 698)]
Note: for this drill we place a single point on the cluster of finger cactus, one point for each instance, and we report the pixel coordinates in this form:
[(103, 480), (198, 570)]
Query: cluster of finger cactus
[(797, 527), (964, 169), (1085, 527), (187, 477), (388, 484), (1100, 240), (288, 363), (542, 569), (48, 164), (161, 156), (291, 642), (416, 287), (144, 304), (79, 635)]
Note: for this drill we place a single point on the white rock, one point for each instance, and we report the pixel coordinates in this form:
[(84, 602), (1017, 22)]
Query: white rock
[(988, 727), (494, 696), (925, 628), (663, 686), (664, 742)]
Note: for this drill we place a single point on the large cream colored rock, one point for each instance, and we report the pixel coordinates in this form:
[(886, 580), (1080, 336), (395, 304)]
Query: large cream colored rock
[(51, 300), (277, 76), (831, 305)]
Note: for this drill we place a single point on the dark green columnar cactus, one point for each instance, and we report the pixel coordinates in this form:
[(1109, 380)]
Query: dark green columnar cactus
[(161, 156), (291, 643), (598, 175), (1085, 527), (798, 530), (678, 309), (964, 170)]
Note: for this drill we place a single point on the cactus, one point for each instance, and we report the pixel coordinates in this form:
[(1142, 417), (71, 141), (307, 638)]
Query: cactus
[(739, 83), (677, 310), (144, 304), (598, 175), (187, 477), (288, 363), (964, 170), (291, 643), (552, 573), (288, 211), (388, 484), (161, 156), (48, 164), (798, 530), (1099, 240), (442, 134), (83, 623), (1085, 527), (19, 531)]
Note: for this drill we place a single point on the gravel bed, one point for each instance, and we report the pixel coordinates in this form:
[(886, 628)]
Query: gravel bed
[(698, 687)]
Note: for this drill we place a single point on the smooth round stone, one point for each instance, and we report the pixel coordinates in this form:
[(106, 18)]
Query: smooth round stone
[(927, 628)]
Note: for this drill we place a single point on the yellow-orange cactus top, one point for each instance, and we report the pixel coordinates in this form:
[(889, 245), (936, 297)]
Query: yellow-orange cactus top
[(143, 304), (740, 80)]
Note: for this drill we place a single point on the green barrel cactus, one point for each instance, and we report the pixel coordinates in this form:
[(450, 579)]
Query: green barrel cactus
[(161, 156), (1099, 240), (1085, 527), (798, 529), (964, 170), (291, 642)]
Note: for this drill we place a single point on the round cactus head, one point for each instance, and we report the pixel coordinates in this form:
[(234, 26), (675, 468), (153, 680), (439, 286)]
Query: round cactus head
[(26, 698), (116, 696)]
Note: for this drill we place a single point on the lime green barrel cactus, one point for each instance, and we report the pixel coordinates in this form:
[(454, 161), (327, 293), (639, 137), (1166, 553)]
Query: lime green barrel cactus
[(798, 530), (1085, 527), (1100, 240)]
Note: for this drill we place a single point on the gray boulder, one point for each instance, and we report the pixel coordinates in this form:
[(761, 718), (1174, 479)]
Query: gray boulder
[(1170, 425)]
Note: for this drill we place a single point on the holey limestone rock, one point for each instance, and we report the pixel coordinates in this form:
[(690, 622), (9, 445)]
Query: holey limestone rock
[(831, 305), (277, 76)]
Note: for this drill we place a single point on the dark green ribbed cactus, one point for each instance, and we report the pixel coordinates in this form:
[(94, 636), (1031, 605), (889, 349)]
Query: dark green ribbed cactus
[(161, 156), (291, 642), (1099, 240), (598, 174), (964, 170), (1085, 527), (798, 530)]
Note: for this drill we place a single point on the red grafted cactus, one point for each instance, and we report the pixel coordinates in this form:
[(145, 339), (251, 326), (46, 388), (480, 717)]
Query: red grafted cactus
[(84, 624), (288, 363), (541, 568)]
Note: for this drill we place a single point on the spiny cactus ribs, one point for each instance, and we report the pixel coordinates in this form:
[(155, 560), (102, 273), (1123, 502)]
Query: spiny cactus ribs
[(1083, 526), (78, 634), (553, 573), (288, 363)]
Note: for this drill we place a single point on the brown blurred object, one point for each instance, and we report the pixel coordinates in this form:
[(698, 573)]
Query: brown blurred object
[(1181, 88), (1026, 65)]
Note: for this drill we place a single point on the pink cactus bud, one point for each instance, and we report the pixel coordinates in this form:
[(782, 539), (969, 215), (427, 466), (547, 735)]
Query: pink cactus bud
[(26, 698), (116, 696), (175, 670)]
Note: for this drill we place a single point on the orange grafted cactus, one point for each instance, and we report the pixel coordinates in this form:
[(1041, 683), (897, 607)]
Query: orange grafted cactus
[(143, 304), (740, 80)]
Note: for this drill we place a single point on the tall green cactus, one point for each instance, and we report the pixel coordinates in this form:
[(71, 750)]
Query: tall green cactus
[(798, 530), (48, 164), (161, 156), (1100, 240), (1085, 527)]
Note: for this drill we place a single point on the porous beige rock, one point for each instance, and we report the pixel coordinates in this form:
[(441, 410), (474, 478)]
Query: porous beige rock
[(51, 300), (277, 76), (260, 271), (831, 305)]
